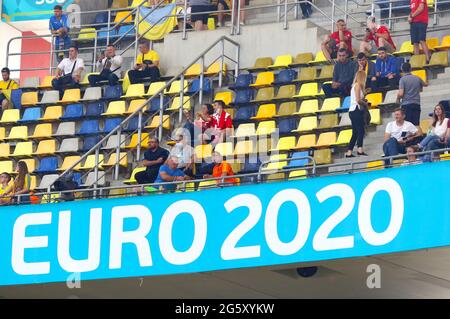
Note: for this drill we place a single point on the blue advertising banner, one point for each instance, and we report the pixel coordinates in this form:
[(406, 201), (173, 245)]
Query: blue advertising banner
[(23, 10), (361, 214)]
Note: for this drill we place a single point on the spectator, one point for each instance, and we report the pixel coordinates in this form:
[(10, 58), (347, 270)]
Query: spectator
[(387, 72), (154, 157), (169, 172), (411, 157), (438, 128), (20, 186), (369, 68), (225, 5), (59, 27), (185, 154), (306, 8), (418, 19), (5, 179), (198, 18), (221, 169), (399, 134), (379, 34), (189, 126), (441, 143), (68, 73), (6, 85), (222, 124), (341, 39), (109, 67), (147, 65), (204, 121), (356, 114), (409, 94), (343, 74)]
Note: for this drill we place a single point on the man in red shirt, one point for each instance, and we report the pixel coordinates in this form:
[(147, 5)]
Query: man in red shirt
[(380, 35), (341, 39), (222, 124), (418, 19)]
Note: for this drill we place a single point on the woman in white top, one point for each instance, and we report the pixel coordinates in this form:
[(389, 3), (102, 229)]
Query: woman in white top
[(438, 128), (356, 114)]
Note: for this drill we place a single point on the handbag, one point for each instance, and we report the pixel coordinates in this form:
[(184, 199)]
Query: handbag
[(364, 107), (67, 79)]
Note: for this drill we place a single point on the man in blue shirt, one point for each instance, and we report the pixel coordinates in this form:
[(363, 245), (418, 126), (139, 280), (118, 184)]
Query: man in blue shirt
[(169, 172), (387, 70), (59, 27)]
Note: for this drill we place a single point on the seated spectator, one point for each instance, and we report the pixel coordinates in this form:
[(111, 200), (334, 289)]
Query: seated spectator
[(20, 186), (5, 85), (68, 73), (387, 71), (341, 39), (379, 34), (411, 158), (221, 169), (169, 172), (185, 154), (222, 124), (5, 180), (200, 20), (439, 144), (409, 94), (363, 64), (147, 65), (109, 67), (438, 128), (154, 157), (60, 27), (399, 134), (204, 121), (343, 74)]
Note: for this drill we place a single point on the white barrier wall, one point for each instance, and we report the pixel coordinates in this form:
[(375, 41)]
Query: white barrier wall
[(6, 33)]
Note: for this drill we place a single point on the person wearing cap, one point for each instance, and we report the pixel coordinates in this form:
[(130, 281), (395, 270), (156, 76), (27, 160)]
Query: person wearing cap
[(6, 85), (379, 35)]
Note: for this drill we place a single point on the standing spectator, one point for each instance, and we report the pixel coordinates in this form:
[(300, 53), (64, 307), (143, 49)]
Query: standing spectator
[(369, 68), (169, 172), (418, 19), (221, 169), (154, 157), (356, 114), (59, 27), (306, 8), (222, 124), (438, 128), (147, 65), (6, 85), (343, 75), (399, 134), (341, 39), (20, 186), (225, 5), (68, 72), (204, 121), (387, 70), (379, 34), (409, 94), (198, 18), (109, 67)]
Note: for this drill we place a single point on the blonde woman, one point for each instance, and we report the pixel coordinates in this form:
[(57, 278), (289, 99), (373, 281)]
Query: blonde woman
[(356, 113)]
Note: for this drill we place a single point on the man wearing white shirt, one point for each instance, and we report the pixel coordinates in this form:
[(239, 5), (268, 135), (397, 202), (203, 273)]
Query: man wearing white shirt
[(399, 135), (109, 67), (68, 72)]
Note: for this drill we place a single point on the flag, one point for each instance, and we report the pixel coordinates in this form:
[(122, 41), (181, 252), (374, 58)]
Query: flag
[(158, 21)]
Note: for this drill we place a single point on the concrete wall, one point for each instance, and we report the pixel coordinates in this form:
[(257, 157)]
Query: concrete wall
[(7, 32)]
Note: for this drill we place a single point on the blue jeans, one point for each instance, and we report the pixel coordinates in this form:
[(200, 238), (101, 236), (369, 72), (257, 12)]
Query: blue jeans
[(392, 147), (427, 140), (434, 144), (343, 90)]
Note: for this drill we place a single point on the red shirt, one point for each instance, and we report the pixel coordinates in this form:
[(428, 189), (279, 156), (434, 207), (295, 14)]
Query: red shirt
[(222, 121), (382, 30), (348, 42), (423, 16)]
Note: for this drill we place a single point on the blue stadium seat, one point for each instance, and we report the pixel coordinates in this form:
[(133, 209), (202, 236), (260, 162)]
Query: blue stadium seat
[(195, 86), (103, 35), (89, 127), (299, 162), (95, 109), (250, 167), (90, 142), (124, 29), (101, 19), (285, 126), (133, 124), (113, 92), (244, 113), (31, 115), (72, 112), (77, 178), (16, 98), (285, 77), (243, 96), (242, 82), (112, 123), (345, 105), (155, 104), (48, 165)]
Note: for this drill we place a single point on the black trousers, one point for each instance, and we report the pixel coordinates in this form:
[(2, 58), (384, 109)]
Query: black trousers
[(383, 82), (138, 76), (95, 79), (358, 130), (412, 113), (147, 177), (60, 85)]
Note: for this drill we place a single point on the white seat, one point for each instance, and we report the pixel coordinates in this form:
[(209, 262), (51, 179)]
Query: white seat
[(30, 83), (69, 145), (92, 94), (90, 179), (391, 98), (50, 97), (345, 120), (46, 181), (65, 129)]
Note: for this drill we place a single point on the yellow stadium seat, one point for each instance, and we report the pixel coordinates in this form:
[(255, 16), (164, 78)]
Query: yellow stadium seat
[(42, 131), (322, 156), (261, 64), (319, 59), (432, 43), (125, 16), (135, 91), (276, 162), (445, 44), (23, 149), (47, 82), (375, 165), (68, 162), (374, 99), (277, 177), (285, 92), (134, 106), (156, 121), (2, 133), (418, 61), (85, 80), (375, 117), (230, 111), (33, 183), (175, 88), (425, 125), (328, 121), (264, 79), (330, 105), (18, 133), (406, 49), (155, 87), (421, 74), (31, 164), (225, 149), (5, 150), (326, 73), (10, 116), (306, 75), (7, 167), (90, 163), (207, 185), (175, 106), (46, 148), (226, 97), (306, 124), (123, 160), (344, 138), (265, 111), (281, 62), (438, 60), (135, 140), (265, 94), (307, 90), (266, 128), (285, 144), (115, 108), (245, 130), (71, 96), (203, 151), (244, 148), (136, 3), (52, 113), (29, 98), (308, 107), (444, 157), (326, 139), (286, 109), (193, 71), (87, 34), (299, 174), (302, 59), (214, 69), (306, 142), (132, 179)]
